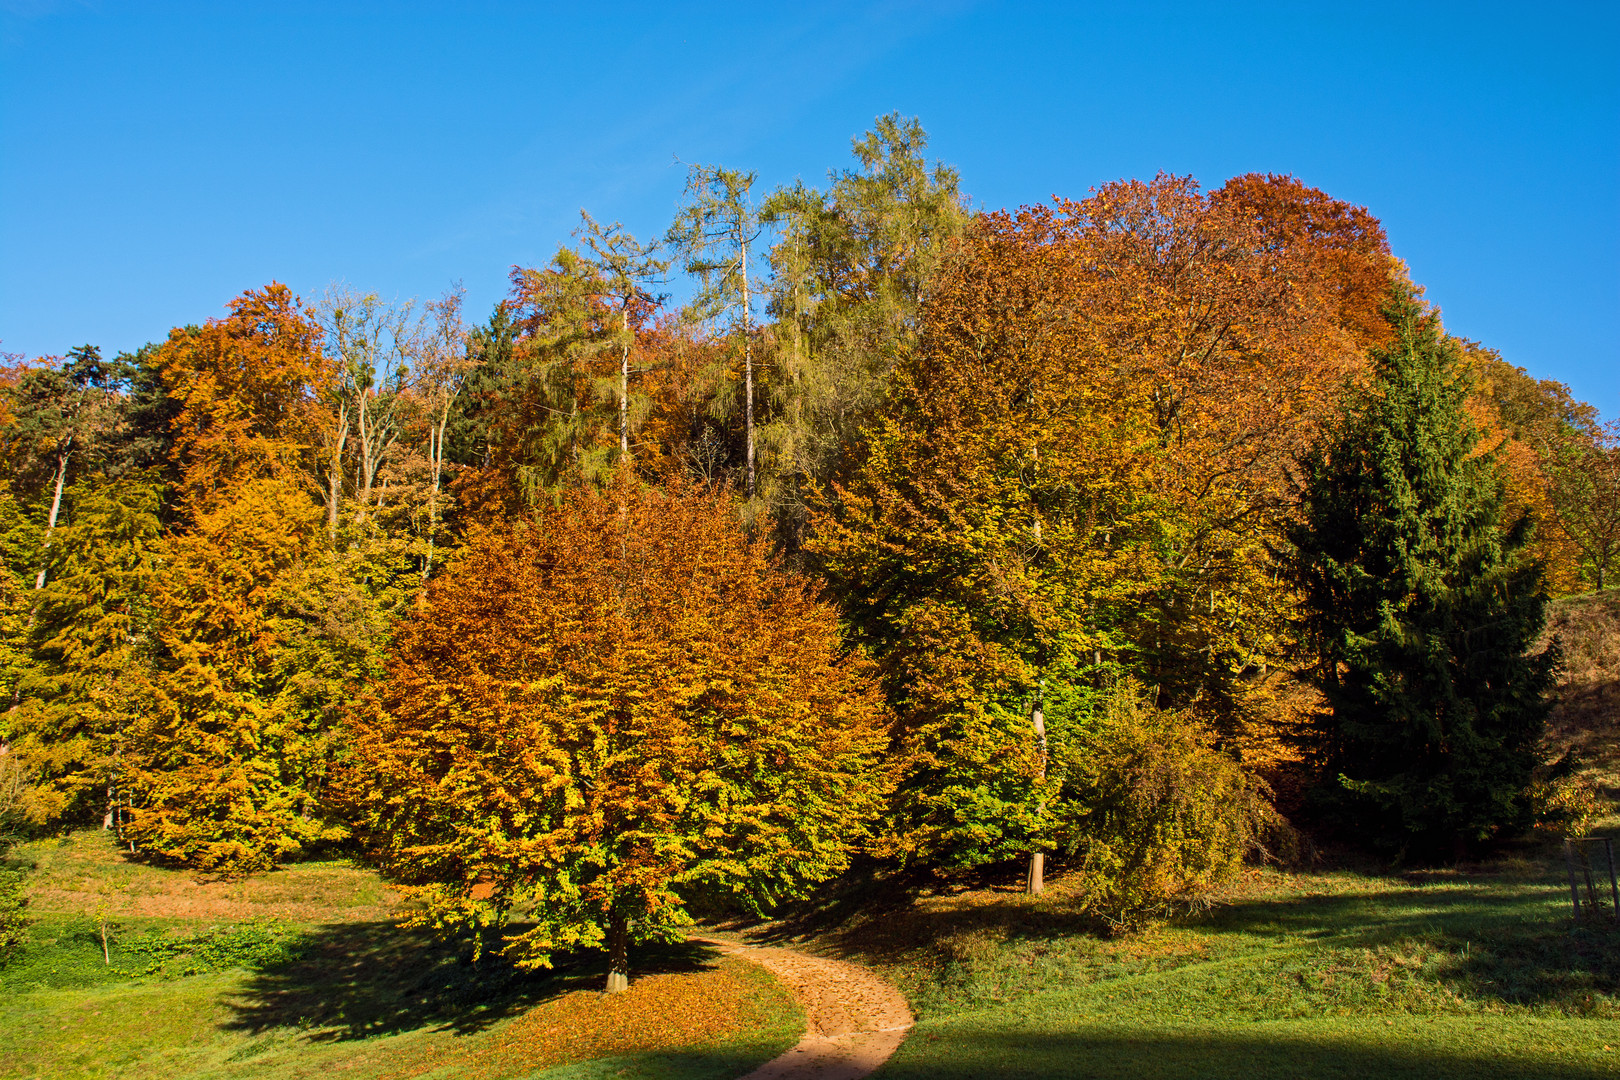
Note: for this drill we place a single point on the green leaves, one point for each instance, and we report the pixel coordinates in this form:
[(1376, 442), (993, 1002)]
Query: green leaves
[(1421, 607)]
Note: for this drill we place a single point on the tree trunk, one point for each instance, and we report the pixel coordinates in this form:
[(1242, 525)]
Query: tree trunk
[(748, 369), (1035, 884), (367, 472), (618, 940), (436, 453), (56, 505), (624, 389), (334, 476)]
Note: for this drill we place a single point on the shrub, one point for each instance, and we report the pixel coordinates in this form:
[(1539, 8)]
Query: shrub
[(1155, 815)]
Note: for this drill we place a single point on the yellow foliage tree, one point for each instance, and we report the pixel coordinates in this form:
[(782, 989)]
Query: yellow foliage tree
[(607, 712)]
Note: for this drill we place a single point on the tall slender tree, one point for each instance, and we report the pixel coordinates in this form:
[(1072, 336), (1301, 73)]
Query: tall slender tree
[(714, 233), (1422, 608), (627, 271), (441, 373), (57, 414)]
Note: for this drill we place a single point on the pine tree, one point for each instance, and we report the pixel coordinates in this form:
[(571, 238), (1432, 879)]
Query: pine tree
[(1421, 605)]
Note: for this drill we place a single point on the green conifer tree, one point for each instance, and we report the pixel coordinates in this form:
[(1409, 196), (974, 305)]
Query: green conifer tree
[(1422, 607)]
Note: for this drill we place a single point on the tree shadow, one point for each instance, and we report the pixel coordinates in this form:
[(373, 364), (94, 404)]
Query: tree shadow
[(960, 1052), (358, 980), (1499, 932)]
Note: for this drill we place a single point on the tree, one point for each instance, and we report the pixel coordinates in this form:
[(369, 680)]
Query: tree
[(245, 389), (991, 535), (714, 232), (56, 414), (441, 373), (850, 269), (372, 344), (89, 640), (1420, 607), (1586, 499), (1233, 317), (1537, 430), (625, 270), (226, 761), (611, 711)]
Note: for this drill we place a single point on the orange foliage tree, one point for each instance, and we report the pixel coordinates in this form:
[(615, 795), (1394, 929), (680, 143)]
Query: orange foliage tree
[(1081, 467), (1235, 318), (246, 389), (225, 761), (224, 766), (607, 712), (1541, 437)]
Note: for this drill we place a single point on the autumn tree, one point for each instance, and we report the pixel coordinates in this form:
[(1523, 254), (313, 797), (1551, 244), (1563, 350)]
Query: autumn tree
[(608, 712), (90, 640), (1534, 428), (441, 373), (224, 763), (625, 270), (225, 760), (1421, 608), (244, 389), (1234, 318), (849, 269), (995, 530), (57, 416), (1585, 497), (372, 344), (1080, 471)]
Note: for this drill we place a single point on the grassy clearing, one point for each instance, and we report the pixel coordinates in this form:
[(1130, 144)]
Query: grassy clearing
[(303, 973), (1355, 971)]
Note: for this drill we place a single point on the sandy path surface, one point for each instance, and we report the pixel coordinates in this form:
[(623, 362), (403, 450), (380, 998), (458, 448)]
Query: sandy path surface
[(853, 1019)]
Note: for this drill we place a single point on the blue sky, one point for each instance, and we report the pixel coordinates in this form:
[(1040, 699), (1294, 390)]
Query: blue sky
[(156, 159)]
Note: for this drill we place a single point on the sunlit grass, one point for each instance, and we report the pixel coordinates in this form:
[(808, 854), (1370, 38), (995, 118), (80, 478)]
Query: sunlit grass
[(1352, 971), (234, 979)]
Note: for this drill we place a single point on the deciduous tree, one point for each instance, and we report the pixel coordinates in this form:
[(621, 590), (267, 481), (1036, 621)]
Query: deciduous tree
[(607, 712), (245, 389)]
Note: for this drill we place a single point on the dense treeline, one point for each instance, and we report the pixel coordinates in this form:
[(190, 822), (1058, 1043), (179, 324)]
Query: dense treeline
[(937, 536)]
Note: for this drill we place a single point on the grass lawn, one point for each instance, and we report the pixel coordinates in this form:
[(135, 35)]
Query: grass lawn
[(303, 973), (1336, 973)]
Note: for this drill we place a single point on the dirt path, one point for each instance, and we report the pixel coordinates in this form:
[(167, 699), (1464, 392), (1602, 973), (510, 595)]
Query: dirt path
[(853, 1019)]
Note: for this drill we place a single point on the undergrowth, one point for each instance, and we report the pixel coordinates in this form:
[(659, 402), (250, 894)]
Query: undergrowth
[(59, 953)]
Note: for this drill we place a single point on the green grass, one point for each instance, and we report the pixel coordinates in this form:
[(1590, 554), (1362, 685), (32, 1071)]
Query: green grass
[(1335, 973), (1348, 971), (234, 979)]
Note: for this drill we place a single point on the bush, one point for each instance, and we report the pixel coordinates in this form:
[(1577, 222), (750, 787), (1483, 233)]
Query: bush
[(1156, 817), (1566, 805)]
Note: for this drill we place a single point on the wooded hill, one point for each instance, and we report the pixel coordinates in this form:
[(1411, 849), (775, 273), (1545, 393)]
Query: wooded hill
[(919, 534)]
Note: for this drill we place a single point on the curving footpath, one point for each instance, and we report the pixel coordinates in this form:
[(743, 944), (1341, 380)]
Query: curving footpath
[(853, 1019)]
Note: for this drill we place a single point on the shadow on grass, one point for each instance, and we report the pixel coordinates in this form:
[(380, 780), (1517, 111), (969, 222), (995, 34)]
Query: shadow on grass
[(959, 1053), (1499, 935), (357, 980)]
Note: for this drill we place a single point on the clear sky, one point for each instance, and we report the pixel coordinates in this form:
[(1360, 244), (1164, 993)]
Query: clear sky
[(156, 158)]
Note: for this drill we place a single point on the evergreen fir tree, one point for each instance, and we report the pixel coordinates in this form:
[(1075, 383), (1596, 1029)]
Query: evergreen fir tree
[(1422, 606)]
